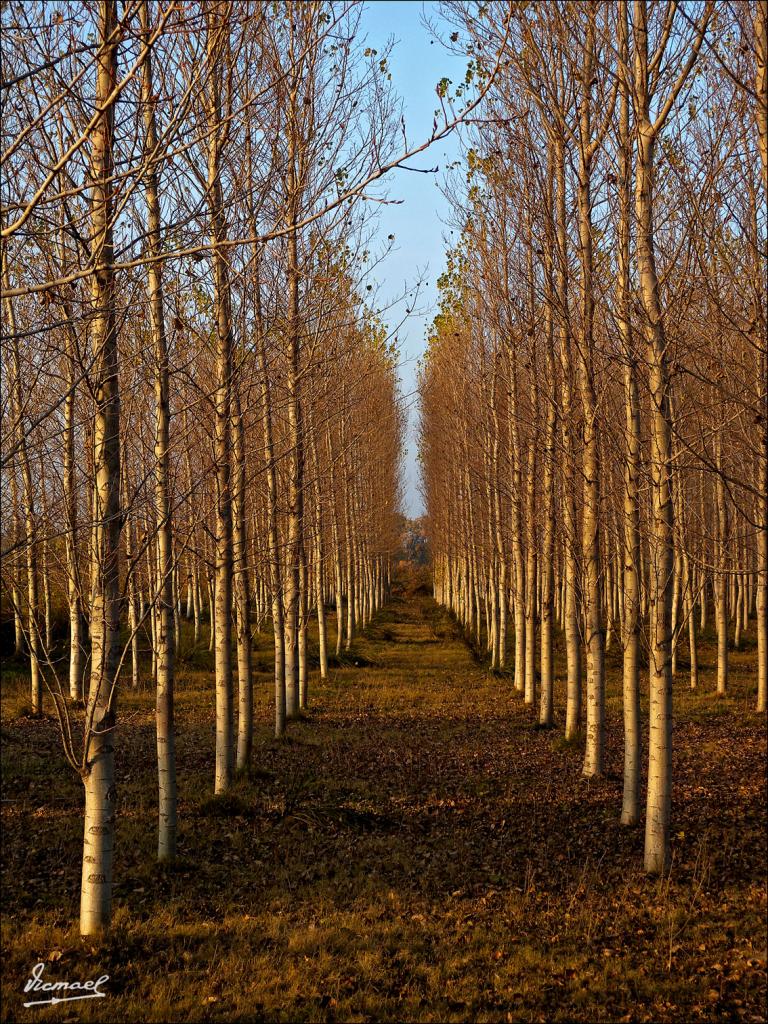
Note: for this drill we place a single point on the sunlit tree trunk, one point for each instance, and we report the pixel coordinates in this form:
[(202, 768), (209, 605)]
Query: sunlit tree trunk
[(242, 593), (99, 752), (74, 583), (592, 569), (530, 577), (319, 557), (661, 543), (546, 711), (761, 109), (275, 559), (630, 808), (16, 597), (571, 566), (165, 624), (45, 567), (721, 574), (337, 555), (517, 524), (498, 539), (302, 628), (216, 29), (30, 536)]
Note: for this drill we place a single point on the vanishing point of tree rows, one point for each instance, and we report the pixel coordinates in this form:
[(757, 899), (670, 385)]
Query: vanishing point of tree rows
[(593, 398), (200, 408)]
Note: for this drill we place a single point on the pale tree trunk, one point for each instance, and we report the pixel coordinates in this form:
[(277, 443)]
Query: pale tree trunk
[(571, 566), (630, 808), (761, 107), (197, 594), (319, 557), (99, 752), (630, 812), (658, 810), (177, 602), (216, 27), (702, 586), (593, 614), (74, 586), (322, 635), (18, 620), (337, 557), (517, 526), (30, 536), (607, 562), (349, 552), (302, 628), (165, 611), (530, 578), (690, 607), (295, 438), (275, 560), (211, 608), (546, 711), (473, 573), (738, 607), (501, 592), (677, 570), (45, 568), (721, 574), (197, 603), (661, 542), (548, 586), (359, 574), (133, 616), (153, 582), (242, 594), (492, 599)]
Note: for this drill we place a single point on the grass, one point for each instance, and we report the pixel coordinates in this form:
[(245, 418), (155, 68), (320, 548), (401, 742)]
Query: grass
[(415, 850)]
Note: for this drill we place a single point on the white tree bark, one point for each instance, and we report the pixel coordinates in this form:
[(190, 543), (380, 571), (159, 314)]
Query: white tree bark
[(99, 751)]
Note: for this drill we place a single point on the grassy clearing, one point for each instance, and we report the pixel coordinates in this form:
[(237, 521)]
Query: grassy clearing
[(414, 850)]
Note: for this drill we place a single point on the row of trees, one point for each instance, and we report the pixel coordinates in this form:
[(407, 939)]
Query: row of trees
[(594, 420), (200, 406)]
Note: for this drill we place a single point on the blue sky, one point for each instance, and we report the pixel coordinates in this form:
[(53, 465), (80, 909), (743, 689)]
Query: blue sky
[(419, 222)]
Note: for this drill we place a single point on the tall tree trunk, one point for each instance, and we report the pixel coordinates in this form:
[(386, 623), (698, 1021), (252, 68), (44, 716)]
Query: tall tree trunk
[(661, 542), (18, 533), (592, 570), (761, 108), (99, 752), (319, 557), (216, 38), (721, 574), (166, 636), (630, 808), (518, 557), (30, 538), (571, 567), (302, 630), (242, 593), (275, 559), (295, 501), (530, 578), (337, 556), (74, 585), (546, 711)]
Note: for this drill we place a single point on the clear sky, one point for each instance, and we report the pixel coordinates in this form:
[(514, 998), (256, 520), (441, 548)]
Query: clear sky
[(419, 223)]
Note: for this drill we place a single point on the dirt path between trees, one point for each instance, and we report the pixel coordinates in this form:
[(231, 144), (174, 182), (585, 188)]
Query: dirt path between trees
[(415, 849)]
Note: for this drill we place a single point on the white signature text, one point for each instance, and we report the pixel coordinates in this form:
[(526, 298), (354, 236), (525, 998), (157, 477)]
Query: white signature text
[(84, 989)]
